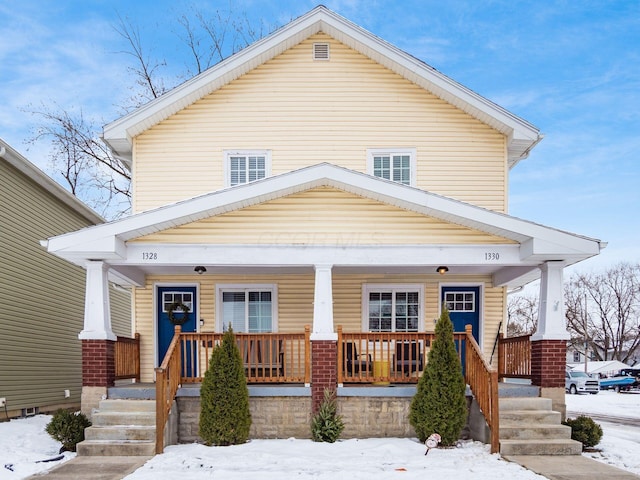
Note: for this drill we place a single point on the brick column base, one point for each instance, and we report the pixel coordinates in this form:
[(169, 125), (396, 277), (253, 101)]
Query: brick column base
[(548, 363), (324, 371), (98, 363)]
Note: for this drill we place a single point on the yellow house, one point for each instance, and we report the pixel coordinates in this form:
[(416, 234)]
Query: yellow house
[(321, 177)]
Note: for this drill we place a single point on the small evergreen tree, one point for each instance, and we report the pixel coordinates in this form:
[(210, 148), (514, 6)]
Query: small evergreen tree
[(439, 405), (326, 425), (584, 430), (68, 428), (225, 418)]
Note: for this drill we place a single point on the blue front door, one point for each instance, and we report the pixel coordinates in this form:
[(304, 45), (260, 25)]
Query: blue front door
[(463, 304), (166, 296)]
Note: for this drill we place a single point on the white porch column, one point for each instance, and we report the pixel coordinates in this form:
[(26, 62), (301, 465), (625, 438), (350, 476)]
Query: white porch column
[(97, 309), (323, 305), (551, 321)]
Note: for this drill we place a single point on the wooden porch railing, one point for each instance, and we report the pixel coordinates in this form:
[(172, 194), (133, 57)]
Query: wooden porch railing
[(483, 381), (267, 357), (514, 357), (167, 383), (385, 357), (127, 358)]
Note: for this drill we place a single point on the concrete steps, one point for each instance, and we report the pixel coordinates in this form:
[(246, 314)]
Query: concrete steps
[(121, 428), (528, 426)]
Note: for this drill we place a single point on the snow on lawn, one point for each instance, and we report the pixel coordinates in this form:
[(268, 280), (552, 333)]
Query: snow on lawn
[(24, 445), (607, 402), (620, 444), (24, 442), (367, 459)]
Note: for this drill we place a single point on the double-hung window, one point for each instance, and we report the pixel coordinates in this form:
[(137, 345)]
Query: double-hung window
[(396, 164), (246, 166), (247, 308), (393, 308)]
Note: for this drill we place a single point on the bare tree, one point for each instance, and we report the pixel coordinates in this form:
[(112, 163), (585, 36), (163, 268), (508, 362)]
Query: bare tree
[(522, 311), (603, 312), (86, 164), (77, 153)]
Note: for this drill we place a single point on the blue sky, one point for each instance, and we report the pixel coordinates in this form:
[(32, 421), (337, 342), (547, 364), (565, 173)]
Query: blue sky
[(572, 68)]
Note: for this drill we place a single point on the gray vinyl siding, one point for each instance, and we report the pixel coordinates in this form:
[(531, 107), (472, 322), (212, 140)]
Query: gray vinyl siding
[(41, 298)]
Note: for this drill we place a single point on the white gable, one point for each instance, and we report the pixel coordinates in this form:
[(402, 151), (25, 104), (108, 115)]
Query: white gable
[(521, 135)]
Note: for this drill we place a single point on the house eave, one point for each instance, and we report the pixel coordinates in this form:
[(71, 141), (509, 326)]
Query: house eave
[(521, 135)]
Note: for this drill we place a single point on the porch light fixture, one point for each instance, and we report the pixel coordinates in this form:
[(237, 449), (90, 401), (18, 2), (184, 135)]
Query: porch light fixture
[(199, 269), (442, 270)]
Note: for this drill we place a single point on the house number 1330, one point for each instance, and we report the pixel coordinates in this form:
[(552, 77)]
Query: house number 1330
[(149, 255), (492, 256)]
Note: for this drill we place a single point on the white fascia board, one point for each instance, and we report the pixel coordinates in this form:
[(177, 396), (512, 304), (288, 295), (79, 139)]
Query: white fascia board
[(119, 133), (513, 274), (304, 255), (391, 193)]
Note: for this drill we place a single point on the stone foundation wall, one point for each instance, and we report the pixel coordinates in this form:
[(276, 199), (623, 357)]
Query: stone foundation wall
[(271, 417), (284, 417), (375, 417)]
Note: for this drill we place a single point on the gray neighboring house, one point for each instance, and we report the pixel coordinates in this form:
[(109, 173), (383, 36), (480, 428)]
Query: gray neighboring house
[(42, 297)]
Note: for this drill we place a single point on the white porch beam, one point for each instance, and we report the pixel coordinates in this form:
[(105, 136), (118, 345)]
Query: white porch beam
[(551, 321), (323, 305), (97, 308), (349, 254), (507, 275)]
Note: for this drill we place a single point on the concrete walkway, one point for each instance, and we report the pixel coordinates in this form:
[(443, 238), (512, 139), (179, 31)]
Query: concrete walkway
[(553, 467), (570, 467), (93, 468)]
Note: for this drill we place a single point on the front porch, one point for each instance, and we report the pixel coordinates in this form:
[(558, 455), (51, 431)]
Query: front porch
[(359, 364)]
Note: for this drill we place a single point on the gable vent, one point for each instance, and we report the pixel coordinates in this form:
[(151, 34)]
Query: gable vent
[(321, 51)]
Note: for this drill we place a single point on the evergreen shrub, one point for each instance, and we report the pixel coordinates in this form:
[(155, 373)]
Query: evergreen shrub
[(68, 428), (584, 430), (439, 405), (326, 424), (225, 418)]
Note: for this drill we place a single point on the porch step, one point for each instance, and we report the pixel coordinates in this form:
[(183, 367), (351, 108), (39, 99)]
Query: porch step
[(112, 419), (528, 426), (108, 448), (121, 428), (540, 447)]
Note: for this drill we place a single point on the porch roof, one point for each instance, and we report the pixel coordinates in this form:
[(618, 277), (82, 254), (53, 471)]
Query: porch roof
[(521, 135), (517, 263)]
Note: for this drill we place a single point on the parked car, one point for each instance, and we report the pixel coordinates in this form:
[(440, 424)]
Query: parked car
[(580, 382)]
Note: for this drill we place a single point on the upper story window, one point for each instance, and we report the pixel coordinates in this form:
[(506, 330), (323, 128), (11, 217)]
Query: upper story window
[(397, 164), (243, 166)]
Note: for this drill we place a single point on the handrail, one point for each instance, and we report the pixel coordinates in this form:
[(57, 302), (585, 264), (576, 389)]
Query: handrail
[(167, 384), (127, 358), (483, 381), (514, 357)]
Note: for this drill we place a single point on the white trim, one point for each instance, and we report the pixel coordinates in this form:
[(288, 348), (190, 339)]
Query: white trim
[(392, 287), (154, 300), (481, 298), (272, 287), (412, 152), (227, 153)]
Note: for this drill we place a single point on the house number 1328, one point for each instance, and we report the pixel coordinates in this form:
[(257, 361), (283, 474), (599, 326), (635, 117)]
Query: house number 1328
[(492, 256), (149, 255)]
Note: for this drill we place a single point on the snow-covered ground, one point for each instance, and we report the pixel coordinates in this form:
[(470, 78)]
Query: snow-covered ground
[(24, 442)]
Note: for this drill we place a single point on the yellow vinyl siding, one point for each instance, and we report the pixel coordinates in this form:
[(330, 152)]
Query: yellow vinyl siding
[(295, 303), (322, 216), (307, 112)]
